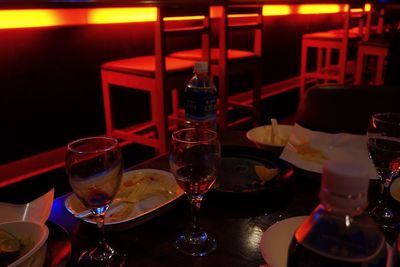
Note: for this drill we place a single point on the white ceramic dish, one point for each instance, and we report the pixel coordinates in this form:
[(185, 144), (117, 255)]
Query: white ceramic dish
[(33, 237), (261, 137), (150, 190), (37, 210), (276, 239)]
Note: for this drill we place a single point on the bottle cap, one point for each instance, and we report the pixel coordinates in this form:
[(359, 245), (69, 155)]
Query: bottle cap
[(201, 67), (344, 185)]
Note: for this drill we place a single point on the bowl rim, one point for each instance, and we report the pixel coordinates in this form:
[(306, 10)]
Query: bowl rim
[(253, 130), (43, 238)]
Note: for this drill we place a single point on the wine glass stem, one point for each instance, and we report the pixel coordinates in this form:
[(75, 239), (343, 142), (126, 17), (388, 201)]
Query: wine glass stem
[(100, 216), (195, 203)]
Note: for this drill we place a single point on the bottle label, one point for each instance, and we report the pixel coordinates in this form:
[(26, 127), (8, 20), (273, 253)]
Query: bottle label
[(201, 103)]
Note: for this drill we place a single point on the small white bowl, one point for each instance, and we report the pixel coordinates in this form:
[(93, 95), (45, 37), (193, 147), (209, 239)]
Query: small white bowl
[(261, 137), (33, 237)]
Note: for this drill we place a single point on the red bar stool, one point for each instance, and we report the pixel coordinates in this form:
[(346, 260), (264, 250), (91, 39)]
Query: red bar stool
[(157, 75), (328, 71), (227, 60)]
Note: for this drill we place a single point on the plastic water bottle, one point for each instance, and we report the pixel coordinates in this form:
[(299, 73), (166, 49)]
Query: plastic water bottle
[(201, 99), (339, 232)]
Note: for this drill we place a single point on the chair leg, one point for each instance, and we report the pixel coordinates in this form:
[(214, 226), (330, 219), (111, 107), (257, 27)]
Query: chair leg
[(379, 70), (223, 99), (342, 65), (160, 119), (359, 66), (257, 96), (303, 69), (107, 103)]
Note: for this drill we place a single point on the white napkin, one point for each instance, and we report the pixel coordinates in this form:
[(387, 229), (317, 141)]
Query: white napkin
[(38, 210), (309, 150)]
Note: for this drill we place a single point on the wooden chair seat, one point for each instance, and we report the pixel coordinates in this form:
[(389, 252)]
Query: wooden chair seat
[(330, 35), (195, 54), (146, 65)]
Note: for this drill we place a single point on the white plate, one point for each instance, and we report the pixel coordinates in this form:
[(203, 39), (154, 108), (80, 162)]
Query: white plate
[(151, 190), (276, 239), (261, 136)]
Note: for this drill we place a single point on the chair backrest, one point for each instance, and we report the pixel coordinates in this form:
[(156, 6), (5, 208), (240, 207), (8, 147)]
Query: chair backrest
[(172, 21), (358, 17), (345, 108), (241, 18)]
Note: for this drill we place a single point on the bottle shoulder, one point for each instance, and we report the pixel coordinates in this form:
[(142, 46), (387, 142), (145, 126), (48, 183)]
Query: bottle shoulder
[(341, 236), (200, 82)]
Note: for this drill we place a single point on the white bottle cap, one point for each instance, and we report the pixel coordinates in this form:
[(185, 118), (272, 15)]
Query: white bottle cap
[(344, 185), (201, 67)]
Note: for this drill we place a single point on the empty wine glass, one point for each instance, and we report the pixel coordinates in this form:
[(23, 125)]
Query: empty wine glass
[(194, 159), (384, 150), (94, 168)]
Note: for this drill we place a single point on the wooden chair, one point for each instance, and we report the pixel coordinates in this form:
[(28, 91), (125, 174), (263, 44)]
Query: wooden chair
[(227, 61), (378, 49), (355, 28), (158, 75), (375, 48)]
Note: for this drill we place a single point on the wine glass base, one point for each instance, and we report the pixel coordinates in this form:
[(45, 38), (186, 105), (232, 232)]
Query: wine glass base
[(199, 244), (102, 258)]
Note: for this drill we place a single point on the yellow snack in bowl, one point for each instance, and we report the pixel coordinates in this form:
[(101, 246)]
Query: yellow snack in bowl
[(265, 174)]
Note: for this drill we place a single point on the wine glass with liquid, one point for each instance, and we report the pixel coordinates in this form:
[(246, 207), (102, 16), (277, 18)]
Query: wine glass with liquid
[(94, 168), (384, 150), (194, 160)]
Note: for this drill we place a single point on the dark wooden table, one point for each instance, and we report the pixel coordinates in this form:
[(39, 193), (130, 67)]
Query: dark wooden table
[(237, 221)]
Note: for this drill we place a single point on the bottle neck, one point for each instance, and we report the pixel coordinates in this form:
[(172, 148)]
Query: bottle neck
[(201, 74), (350, 211), (343, 204)]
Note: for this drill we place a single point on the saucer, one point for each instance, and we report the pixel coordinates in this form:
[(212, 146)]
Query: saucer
[(276, 239)]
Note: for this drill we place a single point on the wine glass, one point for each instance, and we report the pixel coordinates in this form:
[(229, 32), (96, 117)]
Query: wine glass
[(94, 169), (384, 150), (194, 159)]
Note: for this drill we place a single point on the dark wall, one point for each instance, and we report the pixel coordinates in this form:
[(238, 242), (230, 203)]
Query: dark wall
[(50, 79)]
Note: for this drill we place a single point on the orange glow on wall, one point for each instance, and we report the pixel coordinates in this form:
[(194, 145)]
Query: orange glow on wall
[(121, 15), (319, 9), (183, 18), (27, 18), (276, 10)]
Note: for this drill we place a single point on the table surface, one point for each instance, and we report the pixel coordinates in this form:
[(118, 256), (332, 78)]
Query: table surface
[(237, 221)]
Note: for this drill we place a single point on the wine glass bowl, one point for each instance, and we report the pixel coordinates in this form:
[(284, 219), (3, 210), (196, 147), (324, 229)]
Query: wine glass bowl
[(194, 160), (94, 168), (383, 144)]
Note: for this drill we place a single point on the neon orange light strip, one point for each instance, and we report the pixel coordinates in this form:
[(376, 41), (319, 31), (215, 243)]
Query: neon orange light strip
[(27, 18), (183, 18), (121, 15)]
